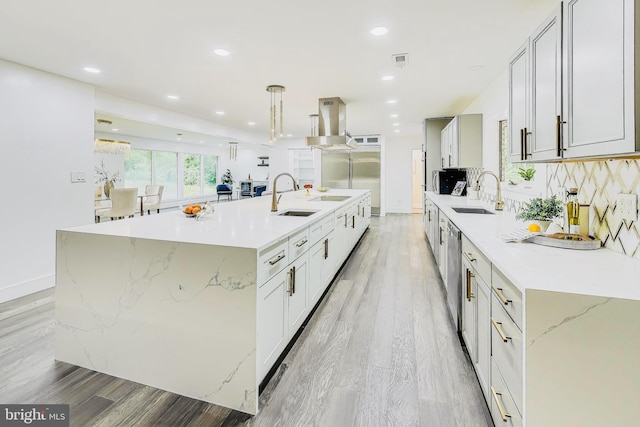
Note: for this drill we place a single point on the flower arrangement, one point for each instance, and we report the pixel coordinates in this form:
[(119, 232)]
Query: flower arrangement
[(105, 176), (308, 187), (539, 209)]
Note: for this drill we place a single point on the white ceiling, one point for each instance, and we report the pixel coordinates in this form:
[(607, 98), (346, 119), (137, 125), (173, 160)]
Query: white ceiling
[(148, 49)]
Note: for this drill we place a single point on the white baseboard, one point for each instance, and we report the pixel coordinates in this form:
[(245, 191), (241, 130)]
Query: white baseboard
[(26, 288)]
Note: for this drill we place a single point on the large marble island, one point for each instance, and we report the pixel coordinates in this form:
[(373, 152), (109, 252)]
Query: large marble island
[(200, 308)]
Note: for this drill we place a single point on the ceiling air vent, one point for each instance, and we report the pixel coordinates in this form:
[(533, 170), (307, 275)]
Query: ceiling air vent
[(400, 59)]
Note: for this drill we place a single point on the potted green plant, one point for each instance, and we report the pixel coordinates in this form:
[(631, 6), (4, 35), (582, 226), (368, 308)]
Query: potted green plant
[(227, 178), (527, 175), (541, 211)]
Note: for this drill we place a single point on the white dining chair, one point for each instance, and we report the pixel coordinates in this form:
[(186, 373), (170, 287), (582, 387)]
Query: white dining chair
[(153, 197), (123, 203)]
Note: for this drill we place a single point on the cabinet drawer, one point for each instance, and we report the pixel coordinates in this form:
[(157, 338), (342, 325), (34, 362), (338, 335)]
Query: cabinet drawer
[(481, 264), (506, 343), (503, 408), (299, 243), (508, 295), (272, 259), (321, 228)]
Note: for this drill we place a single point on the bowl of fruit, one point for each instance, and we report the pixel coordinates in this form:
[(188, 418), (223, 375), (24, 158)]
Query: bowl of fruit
[(322, 189), (192, 210)]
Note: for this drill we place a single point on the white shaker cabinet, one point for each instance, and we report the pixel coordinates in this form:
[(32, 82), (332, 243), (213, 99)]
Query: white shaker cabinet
[(272, 320), (298, 279), (535, 94), (461, 142), (599, 86)]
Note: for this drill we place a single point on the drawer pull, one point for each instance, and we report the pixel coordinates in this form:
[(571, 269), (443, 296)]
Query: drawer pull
[(469, 276), (326, 248), (500, 295), (290, 290), (503, 414), (470, 256), (301, 243), (276, 259), (496, 325)]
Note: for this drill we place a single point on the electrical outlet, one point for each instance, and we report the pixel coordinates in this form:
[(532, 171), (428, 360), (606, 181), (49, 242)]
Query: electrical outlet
[(627, 206)]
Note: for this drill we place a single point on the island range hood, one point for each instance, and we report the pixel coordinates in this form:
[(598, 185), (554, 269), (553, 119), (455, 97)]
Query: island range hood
[(332, 134)]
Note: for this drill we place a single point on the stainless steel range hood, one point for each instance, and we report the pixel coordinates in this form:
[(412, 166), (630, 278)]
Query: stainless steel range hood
[(331, 127)]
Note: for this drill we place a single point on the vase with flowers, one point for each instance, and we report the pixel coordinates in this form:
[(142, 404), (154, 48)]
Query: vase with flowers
[(109, 179)]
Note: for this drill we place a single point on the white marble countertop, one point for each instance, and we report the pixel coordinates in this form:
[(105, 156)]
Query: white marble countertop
[(247, 223), (600, 272)]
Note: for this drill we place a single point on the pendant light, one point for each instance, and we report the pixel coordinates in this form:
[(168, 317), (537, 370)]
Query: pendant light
[(110, 146), (274, 90)]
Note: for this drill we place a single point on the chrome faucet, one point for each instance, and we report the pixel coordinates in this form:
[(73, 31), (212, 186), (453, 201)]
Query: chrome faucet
[(274, 201), (499, 203)]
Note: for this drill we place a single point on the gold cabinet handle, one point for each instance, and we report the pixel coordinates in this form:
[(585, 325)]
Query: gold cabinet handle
[(290, 290), (470, 256), (500, 295), (503, 414), (276, 259), (301, 243), (496, 325), (469, 276), (326, 248)]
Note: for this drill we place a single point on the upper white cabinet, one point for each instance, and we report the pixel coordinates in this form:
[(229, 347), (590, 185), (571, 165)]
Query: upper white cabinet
[(571, 85), (461, 142), (599, 77)]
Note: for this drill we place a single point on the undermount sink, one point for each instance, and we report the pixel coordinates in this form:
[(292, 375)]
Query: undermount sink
[(472, 210), (296, 213), (330, 199)]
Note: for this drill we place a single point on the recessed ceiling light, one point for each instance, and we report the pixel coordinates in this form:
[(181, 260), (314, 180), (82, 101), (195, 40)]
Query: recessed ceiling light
[(393, 116), (379, 31), (201, 142), (397, 130), (251, 123), (476, 67), (173, 97), (387, 78), (179, 139), (219, 145), (221, 52), (392, 101), (220, 113), (396, 124), (289, 135), (114, 130), (91, 70)]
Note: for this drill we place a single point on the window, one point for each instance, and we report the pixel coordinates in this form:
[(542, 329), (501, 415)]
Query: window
[(166, 173), (508, 170), (210, 164), (191, 175), (137, 169)]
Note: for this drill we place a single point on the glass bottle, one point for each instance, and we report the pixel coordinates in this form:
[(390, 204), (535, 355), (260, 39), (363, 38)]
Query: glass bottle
[(573, 211)]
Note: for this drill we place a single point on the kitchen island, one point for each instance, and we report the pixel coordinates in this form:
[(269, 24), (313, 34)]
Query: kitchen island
[(200, 308)]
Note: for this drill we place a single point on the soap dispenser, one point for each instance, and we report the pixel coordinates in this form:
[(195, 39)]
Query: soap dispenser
[(573, 211)]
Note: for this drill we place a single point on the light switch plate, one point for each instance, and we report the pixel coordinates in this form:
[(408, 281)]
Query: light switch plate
[(627, 206), (78, 177)]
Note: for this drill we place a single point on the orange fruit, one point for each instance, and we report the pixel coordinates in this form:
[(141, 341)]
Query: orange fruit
[(188, 209), (534, 228), (196, 209)]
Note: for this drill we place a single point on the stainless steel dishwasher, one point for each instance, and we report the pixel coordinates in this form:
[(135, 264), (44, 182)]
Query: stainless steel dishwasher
[(454, 275)]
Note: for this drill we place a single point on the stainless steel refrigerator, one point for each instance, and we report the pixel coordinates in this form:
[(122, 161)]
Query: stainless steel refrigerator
[(357, 169)]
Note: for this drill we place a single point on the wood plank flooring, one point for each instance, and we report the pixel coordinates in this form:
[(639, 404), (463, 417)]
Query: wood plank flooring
[(379, 351)]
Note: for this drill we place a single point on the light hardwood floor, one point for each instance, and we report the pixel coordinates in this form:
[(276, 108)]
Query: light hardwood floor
[(380, 350)]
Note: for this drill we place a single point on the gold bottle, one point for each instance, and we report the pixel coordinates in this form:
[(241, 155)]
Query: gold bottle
[(573, 211)]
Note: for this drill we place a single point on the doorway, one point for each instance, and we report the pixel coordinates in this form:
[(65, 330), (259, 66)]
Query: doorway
[(417, 175)]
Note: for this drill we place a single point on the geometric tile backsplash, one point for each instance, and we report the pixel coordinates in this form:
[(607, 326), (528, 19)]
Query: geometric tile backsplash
[(598, 183)]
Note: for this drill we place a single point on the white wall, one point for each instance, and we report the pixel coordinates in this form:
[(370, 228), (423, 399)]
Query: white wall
[(396, 173), (46, 132)]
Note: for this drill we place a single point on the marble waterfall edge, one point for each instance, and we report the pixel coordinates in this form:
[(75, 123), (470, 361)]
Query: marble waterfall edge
[(176, 316)]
